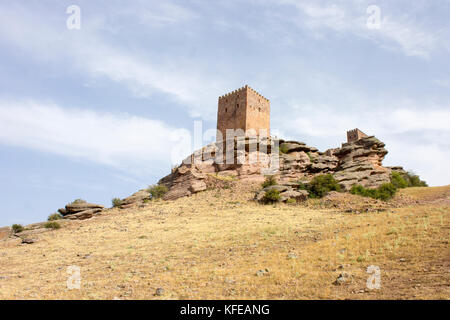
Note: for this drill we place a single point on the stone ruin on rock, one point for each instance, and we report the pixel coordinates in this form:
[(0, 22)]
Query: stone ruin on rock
[(250, 153)]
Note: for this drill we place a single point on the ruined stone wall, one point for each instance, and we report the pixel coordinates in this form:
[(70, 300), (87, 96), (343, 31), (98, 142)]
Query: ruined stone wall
[(355, 135)]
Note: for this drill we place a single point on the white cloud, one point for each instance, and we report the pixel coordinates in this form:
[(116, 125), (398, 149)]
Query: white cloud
[(129, 143), (398, 31), (416, 138), (88, 52)]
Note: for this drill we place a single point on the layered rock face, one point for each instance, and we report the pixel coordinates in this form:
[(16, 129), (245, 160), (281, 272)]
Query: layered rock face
[(359, 162), (80, 210)]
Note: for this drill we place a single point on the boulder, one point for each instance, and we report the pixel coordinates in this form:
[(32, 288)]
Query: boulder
[(135, 198), (296, 147), (79, 207), (298, 196), (279, 188), (5, 232), (197, 186), (83, 215)]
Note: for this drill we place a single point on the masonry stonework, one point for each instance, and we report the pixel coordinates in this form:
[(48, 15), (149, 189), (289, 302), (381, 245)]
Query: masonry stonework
[(243, 109), (355, 135)]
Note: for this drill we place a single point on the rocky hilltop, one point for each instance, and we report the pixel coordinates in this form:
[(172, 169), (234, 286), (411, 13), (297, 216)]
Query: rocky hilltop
[(358, 162)]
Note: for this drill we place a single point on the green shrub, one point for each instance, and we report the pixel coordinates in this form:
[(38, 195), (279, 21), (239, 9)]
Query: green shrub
[(398, 180), (116, 202), (157, 191), (52, 225), (55, 216), (16, 228), (283, 148), (302, 186), (270, 181), (384, 192), (414, 180), (291, 201), (271, 196), (320, 185)]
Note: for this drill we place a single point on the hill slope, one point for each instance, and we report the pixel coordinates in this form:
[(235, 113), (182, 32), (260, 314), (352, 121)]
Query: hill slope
[(217, 245)]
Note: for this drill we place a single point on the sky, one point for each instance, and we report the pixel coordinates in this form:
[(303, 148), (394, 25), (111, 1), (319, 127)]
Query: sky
[(100, 100)]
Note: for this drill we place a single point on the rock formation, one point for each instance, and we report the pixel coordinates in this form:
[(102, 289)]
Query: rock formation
[(80, 210), (357, 162)]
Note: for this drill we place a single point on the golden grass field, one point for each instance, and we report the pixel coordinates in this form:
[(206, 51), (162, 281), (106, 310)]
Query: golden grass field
[(211, 245)]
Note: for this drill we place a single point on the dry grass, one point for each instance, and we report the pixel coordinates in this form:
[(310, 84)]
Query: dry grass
[(211, 245)]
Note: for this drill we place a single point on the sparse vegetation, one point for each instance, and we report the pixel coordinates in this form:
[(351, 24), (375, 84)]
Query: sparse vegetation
[(398, 180), (384, 192), (157, 191), (227, 246), (388, 190), (54, 216), (52, 225), (320, 185), (270, 181), (16, 228), (409, 179), (271, 196), (116, 202), (283, 148), (78, 201), (414, 180)]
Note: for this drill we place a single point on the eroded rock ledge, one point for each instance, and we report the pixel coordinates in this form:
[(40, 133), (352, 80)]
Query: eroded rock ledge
[(359, 162)]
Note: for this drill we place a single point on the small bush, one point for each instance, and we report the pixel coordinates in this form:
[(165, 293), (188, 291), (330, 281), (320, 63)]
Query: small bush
[(320, 185), (398, 180), (291, 201), (270, 181), (158, 191), (116, 202), (55, 216), (52, 225), (271, 196), (302, 186), (16, 228), (283, 148), (384, 192), (414, 180)]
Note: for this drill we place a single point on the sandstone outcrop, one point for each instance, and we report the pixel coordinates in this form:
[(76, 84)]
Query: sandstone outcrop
[(80, 210), (135, 199), (357, 162), (5, 232), (360, 162)]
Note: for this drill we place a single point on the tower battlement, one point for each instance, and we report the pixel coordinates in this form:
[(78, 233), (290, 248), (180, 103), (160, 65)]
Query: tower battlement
[(244, 109)]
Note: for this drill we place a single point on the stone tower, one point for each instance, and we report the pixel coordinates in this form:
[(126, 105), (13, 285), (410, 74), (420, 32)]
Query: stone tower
[(244, 109), (355, 135)]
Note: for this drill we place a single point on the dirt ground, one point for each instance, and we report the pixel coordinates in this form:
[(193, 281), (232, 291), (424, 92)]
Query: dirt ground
[(219, 244)]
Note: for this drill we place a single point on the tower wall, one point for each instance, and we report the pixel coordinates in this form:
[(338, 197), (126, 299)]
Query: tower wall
[(243, 109), (355, 135)]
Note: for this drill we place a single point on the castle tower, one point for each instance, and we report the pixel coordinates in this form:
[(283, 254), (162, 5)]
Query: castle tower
[(243, 109), (355, 135)]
